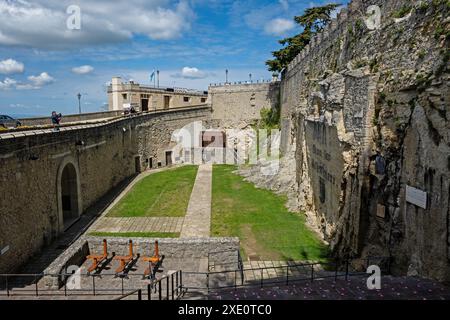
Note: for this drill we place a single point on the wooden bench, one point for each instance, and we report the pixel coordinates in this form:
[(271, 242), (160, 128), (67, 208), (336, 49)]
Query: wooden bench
[(153, 262), (98, 259), (124, 260)]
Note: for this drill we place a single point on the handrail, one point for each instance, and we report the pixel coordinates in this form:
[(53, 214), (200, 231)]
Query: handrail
[(173, 285), (307, 266), (138, 291)]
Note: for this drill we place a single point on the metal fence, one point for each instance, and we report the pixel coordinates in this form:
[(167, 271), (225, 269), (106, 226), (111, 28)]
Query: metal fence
[(175, 285), (168, 287), (281, 275)]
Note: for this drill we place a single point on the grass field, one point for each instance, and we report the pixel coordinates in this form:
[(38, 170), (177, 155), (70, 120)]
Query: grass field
[(161, 194), (268, 231), (135, 234)]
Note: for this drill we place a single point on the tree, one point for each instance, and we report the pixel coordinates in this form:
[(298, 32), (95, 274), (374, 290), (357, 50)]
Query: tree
[(312, 21)]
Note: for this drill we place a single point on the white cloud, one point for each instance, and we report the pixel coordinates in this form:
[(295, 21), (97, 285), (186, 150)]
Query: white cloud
[(191, 73), (83, 69), (11, 66), (42, 24), (7, 84), (284, 4), (279, 26), (35, 82), (41, 80)]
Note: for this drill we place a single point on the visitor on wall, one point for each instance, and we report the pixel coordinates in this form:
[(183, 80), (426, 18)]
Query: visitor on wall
[(56, 119)]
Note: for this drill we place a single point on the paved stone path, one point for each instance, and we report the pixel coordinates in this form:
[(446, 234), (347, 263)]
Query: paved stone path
[(138, 224), (198, 216), (355, 288)]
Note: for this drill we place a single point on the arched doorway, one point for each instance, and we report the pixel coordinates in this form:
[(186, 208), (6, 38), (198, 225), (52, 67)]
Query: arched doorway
[(69, 203)]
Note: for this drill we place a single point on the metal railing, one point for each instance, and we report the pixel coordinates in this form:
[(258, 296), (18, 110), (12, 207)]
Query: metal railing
[(173, 288), (230, 83), (168, 287), (283, 275)]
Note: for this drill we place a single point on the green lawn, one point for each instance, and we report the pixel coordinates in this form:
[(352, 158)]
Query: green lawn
[(135, 234), (162, 194), (267, 230)]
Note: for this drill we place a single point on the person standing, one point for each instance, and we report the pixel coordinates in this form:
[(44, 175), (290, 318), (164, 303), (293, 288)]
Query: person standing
[(56, 119)]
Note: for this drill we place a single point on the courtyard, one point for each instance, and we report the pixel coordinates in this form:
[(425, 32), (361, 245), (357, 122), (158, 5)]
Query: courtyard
[(211, 201)]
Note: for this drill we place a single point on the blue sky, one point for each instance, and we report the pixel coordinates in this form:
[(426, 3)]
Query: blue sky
[(43, 64)]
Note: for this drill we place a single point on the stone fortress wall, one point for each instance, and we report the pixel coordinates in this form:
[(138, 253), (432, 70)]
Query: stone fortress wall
[(221, 251), (364, 116), (356, 99), (48, 180), (239, 105)]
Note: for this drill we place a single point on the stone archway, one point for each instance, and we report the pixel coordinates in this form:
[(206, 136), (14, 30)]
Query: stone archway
[(68, 194)]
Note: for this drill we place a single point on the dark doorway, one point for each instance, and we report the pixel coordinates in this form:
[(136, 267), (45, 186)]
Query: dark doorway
[(166, 102), (144, 104), (213, 139), (150, 163), (168, 158), (69, 195), (137, 163)]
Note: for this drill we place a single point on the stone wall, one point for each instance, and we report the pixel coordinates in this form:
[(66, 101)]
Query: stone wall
[(356, 99), (222, 250), (39, 121), (100, 156), (155, 138), (238, 106)]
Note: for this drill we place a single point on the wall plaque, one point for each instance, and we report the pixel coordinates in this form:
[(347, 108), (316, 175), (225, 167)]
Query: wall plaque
[(4, 250), (416, 197), (381, 211)]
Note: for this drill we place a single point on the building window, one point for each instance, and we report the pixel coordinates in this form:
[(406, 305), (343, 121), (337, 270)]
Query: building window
[(186, 99), (203, 100), (124, 96)]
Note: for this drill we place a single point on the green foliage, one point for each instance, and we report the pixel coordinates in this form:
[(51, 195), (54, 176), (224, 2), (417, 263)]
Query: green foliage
[(422, 53), (374, 65), (423, 7), (375, 121), (270, 118), (312, 21), (422, 82), (359, 25), (260, 219), (441, 31), (360, 64), (402, 12), (161, 194)]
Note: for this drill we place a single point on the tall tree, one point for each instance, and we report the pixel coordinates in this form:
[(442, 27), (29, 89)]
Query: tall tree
[(312, 21)]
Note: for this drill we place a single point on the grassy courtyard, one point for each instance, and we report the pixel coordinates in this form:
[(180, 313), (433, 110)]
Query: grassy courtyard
[(267, 230), (161, 194)]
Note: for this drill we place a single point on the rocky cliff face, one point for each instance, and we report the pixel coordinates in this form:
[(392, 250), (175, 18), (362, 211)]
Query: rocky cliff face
[(365, 116)]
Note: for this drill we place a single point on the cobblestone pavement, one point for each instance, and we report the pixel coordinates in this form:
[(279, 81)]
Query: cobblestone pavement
[(392, 288), (138, 224), (198, 216)]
